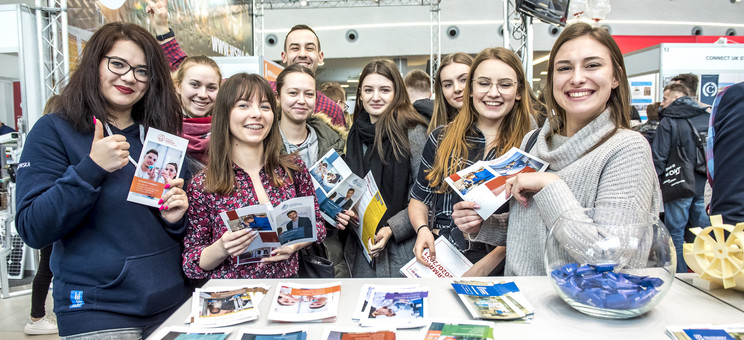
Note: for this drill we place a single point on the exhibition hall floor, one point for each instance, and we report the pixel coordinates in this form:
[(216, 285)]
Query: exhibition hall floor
[(14, 315)]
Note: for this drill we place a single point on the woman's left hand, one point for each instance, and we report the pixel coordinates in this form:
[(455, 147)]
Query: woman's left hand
[(284, 252), (527, 183), (174, 203), (381, 239)]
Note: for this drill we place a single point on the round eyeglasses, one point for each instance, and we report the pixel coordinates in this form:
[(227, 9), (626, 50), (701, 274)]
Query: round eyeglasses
[(506, 86), (120, 67)]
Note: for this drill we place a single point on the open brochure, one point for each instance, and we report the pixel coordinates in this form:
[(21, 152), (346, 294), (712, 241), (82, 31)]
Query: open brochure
[(493, 300), (400, 308), (185, 332), (367, 333), (706, 332), (162, 157), (336, 187), (450, 262), (224, 306), (458, 330), (295, 302), (484, 181), (290, 222), (285, 333)]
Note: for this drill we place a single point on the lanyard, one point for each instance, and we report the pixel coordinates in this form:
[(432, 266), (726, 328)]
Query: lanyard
[(141, 136)]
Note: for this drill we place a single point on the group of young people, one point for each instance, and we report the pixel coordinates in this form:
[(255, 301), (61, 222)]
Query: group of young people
[(121, 268)]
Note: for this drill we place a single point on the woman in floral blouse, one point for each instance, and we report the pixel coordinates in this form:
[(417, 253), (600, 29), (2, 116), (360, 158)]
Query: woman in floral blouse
[(245, 168)]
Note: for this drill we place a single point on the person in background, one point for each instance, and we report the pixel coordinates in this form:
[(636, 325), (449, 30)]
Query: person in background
[(337, 93), (648, 129), (116, 263), (4, 129), (301, 46), (387, 139), (449, 84), (418, 86), (494, 118), (689, 81), (245, 168)]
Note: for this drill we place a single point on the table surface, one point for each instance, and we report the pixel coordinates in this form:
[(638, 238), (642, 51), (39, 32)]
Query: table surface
[(683, 305), (733, 297)]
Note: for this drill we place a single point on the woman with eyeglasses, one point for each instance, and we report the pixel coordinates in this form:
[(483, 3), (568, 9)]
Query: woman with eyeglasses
[(449, 85), (494, 117), (596, 160), (386, 139), (116, 264)]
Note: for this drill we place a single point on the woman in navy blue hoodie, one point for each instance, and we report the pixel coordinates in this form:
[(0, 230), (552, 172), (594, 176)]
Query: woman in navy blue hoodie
[(116, 264)]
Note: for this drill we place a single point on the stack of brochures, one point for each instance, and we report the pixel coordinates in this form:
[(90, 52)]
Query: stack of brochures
[(392, 306), (367, 333), (295, 302), (484, 182), (224, 306), (494, 300), (449, 262), (453, 329), (706, 332), (284, 333)]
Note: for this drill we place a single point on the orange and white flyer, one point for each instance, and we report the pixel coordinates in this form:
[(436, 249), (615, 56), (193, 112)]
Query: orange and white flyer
[(366, 333), (224, 306), (295, 302), (450, 262), (161, 160)]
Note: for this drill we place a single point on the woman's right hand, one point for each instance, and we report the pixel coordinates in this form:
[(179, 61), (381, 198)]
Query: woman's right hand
[(158, 11), (235, 243), (466, 218), (424, 240), (110, 153), (344, 218)]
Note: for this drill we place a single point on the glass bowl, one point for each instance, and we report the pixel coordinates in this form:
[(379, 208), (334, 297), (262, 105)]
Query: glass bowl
[(610, 263)]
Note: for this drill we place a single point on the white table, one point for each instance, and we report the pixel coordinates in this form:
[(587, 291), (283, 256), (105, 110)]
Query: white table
[(554, 319), (731, 296)]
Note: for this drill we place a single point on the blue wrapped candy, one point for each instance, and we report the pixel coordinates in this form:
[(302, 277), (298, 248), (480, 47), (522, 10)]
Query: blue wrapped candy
[(599, 286)]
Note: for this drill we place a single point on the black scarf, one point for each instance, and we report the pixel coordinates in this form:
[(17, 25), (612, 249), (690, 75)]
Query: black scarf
[(392, 178)]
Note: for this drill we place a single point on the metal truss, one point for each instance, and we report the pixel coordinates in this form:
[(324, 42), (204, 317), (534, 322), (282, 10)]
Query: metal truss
[(297, 4), (53, 40), (519, 27), (435, 48)]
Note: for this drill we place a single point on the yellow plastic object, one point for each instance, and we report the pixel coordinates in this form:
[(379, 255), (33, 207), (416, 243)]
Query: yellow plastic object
[(717, 253)]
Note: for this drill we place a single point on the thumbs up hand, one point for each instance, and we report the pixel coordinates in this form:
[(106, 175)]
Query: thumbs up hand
[(110, 153)]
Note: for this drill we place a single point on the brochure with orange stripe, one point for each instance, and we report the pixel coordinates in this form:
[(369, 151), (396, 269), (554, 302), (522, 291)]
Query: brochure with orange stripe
[(296, 302)]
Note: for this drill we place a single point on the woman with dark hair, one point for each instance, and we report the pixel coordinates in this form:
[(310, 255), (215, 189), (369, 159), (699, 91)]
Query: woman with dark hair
[(596, 161), (115, 263), (449, 87), (246, 167), (387, 138), (495, 117)]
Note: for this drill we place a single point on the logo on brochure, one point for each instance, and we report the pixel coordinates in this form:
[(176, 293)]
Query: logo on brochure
[(164, 139)]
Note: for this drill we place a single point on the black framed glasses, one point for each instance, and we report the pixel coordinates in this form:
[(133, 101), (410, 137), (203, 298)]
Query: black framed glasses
[(505, 86), (120, 67)]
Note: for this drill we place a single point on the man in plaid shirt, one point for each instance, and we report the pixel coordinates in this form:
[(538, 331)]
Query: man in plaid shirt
[(301, 46)]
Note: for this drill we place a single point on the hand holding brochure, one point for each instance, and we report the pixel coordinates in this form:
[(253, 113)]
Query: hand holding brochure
[(484, 182), (161, 160), (450, 262), (224, 306), (290, 222), (294, 302)]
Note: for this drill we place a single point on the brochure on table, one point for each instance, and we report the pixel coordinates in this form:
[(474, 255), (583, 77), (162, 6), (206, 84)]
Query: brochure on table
[(706, 332), (493, 300), (449, 262), (285, 333), (336, 187), (365, 295), (458, 329), (224, 306), (290, 222), (185, 332), (400, 308), (367, 333), (162, 157), (484, 181), (295, 302)]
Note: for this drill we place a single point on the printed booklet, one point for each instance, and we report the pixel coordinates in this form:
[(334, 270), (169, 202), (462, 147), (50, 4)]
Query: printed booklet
[(365, 295), (162, 157), (224, 306), (493, 300), (336, 187), (290, 222), (450, 262), (295, 302), (285, 333), (185, 332), (458, 330), (367, 333), (706, 332), (400, 308), (484, 181)]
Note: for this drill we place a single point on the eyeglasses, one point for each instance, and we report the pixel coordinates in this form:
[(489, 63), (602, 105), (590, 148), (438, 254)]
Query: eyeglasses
[(120, 67), (506, 86)]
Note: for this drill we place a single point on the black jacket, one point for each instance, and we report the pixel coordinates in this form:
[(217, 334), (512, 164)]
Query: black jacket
[(728, 182), (674, 116)]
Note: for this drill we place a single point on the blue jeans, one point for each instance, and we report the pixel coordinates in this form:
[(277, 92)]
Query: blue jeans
[(679, 214)]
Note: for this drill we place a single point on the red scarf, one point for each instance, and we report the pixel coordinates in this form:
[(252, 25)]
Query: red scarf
[(196, 130)]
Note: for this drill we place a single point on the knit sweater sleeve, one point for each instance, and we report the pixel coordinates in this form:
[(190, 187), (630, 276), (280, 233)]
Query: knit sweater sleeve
[(493, 230)]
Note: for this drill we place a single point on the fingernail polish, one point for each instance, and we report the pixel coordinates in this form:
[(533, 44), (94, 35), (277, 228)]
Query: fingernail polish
[(167, 186), (165, 207), (161, 208), (160, 202)]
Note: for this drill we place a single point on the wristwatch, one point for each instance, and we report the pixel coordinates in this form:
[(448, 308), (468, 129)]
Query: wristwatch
[(168, 35)]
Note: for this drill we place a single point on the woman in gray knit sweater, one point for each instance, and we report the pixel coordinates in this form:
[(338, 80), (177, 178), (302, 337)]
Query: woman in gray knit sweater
[(595, 159)]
